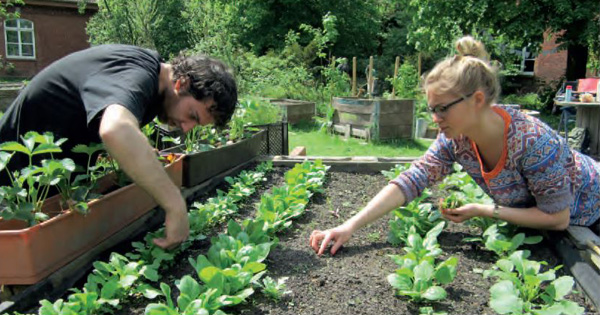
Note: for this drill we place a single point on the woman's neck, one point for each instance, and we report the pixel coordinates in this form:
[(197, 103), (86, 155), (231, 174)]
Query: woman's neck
[(489, 130)]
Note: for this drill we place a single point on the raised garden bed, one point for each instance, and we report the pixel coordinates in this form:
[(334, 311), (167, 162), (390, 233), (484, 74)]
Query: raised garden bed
[(201, 166), (377, 119), (30, 254), (295, 111), (354, 281)]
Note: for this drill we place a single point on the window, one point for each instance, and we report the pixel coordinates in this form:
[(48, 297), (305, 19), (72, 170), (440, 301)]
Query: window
[(525, 63), (19, 39)]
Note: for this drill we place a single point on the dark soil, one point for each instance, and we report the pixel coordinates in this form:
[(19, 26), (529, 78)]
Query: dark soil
[(354, 281)]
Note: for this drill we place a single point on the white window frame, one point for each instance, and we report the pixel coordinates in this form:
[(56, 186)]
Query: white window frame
[(524, 57), (18, 29)]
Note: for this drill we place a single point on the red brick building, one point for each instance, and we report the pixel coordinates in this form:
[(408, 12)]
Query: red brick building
[(45, 31), (551, 63)]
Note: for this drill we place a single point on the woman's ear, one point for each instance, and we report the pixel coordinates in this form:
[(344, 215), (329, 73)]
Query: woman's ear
[(479, 98)]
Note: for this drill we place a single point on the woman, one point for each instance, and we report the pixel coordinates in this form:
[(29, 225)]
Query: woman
[(535, 179)]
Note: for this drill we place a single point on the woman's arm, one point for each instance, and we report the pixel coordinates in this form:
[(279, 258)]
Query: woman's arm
[(528, 217), (388, 199)]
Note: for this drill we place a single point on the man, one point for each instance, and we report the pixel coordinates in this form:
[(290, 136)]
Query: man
[(106, 93)]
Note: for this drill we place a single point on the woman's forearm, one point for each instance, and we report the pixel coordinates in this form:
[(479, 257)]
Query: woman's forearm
[(388, 199)]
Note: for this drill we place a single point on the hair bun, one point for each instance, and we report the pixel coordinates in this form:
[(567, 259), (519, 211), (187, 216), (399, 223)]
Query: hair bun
[(470, 47)]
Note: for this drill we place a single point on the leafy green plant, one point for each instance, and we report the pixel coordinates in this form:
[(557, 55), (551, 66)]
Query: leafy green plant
[(419, 277), (193, 299), (274, 289), (504, 245), (24, 198), (406, 84), (395, 171), (523, 289), (416, 215)]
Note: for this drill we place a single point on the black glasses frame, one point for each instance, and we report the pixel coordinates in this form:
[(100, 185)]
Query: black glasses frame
[(441, 110)]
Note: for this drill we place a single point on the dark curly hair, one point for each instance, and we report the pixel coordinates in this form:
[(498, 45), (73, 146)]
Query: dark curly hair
[(209, 78)]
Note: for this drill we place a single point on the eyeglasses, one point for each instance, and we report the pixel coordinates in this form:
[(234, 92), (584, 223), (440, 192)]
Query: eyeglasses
[(441, 110)]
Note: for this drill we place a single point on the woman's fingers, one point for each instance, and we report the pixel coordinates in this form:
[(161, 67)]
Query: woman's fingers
[(325, 243)]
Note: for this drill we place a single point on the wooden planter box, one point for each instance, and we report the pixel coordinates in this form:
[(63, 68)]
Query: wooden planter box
[(295, 111), (378, 119), (201, 166), (30, 254)]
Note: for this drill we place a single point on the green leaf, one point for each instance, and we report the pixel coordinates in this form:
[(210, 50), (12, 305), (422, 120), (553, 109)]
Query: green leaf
[(560, 287), (400, 282), (46, 148), (434, 293), (4, 159), (423, 271), (148, 291), (504, 298), (13, 146)]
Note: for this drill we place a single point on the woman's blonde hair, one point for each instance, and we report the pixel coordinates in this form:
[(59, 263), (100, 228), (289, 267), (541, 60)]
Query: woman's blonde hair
[(466, 72)]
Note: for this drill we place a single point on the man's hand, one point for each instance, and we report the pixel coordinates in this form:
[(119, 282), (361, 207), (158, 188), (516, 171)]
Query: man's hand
[(177, 229), (319, 240)]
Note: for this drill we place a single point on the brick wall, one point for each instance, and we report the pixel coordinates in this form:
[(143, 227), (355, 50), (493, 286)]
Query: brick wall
[(59, 31), (551, 63)]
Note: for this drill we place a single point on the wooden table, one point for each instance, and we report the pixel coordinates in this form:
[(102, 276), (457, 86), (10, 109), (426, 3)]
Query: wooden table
[(588, 117)]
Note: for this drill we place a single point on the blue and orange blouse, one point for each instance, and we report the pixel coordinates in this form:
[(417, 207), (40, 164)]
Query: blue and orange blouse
[(536, 168)]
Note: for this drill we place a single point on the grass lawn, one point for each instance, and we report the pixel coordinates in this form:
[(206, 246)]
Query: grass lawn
[(322, 144)]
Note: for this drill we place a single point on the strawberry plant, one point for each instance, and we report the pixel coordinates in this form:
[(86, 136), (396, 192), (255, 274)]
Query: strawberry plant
[(523, 289), (24, 197)]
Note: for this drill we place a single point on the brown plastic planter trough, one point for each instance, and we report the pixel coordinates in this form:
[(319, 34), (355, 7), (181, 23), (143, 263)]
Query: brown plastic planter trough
[(30, 254)]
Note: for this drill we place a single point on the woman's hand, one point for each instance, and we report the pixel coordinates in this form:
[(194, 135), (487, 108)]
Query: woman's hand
[(319, 240), (464, 213)]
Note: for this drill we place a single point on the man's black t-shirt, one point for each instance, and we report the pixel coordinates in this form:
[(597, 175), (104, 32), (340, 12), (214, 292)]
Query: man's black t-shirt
[(68, 97)]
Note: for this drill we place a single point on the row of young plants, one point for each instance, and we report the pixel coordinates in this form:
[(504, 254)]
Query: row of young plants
[(520, 287), (234, 264), (129, 275)]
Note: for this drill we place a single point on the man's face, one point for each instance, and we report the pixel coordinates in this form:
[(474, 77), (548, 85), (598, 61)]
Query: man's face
[(188, 112)]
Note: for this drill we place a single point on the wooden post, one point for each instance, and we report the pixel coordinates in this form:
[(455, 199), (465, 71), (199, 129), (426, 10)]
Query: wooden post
[(370, 77), (348, 132), (353, 76), (419, 65), (396, 65), (333, 61)]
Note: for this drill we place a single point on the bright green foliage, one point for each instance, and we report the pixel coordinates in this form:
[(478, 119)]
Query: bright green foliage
[(274, 289), (528, 101), (419, 277), (29, 187), (417, 216), (406, 84), (395, 171), (153, 24), (522, 289), (504, 245), (113, 281)]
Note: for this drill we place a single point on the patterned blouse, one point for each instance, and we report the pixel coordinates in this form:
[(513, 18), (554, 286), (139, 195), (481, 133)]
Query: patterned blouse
[(536, 168)]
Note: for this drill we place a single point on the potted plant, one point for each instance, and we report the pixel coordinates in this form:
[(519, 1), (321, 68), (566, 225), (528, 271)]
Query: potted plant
[(209, 151), (38, 235)]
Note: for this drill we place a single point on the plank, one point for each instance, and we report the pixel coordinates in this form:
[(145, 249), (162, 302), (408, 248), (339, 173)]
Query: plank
[(585, 275), (579, 235)]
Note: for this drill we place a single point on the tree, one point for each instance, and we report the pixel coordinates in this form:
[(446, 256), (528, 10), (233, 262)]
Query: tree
[(520, 23), (153, 24)]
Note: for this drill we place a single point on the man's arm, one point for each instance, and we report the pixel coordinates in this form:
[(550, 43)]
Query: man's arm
[(125, 142)]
